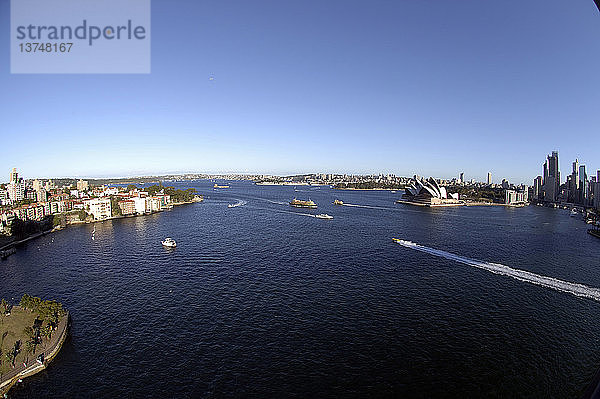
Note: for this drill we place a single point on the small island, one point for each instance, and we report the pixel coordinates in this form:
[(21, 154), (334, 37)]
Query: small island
[(31, 334)]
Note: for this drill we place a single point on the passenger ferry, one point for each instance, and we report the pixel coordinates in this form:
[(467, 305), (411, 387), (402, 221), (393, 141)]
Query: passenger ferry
[(302, 204), (338, 202)]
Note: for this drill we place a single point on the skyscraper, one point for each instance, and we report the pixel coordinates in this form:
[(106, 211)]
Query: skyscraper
[(583, 186), (537, 188), (489, 178), (551, 183), (461, 177), (574, 183)]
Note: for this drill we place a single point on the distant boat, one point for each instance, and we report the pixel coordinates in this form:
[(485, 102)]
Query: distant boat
[(217, 186), (302, 204), (169, 243), (574, 212), (324, 216), (338, 202)]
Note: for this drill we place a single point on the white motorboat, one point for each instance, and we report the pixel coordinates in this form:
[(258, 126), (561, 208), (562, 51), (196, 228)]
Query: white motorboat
[(169, 243), (323, 216)]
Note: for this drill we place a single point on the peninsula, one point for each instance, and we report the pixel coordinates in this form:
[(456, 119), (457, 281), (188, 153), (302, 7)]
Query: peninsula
[(31, 335)]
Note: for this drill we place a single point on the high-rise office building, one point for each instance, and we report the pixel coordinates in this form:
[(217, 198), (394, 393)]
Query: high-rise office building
[(489, 178), (573, 185), (583, 186), (537, 188), (461, 177), (551, 182)]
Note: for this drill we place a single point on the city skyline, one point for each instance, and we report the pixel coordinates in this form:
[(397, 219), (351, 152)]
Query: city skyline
[(460, 176), (432, 89)]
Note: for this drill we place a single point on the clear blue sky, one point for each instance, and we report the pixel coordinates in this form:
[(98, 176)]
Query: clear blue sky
[(433, 87)]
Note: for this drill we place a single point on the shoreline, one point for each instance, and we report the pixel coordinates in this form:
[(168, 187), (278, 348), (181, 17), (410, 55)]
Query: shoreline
[(14, 244), (369, 189), (459, 204), (49, 355)]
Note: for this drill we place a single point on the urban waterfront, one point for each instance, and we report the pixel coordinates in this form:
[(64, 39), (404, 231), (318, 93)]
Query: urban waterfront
[(263, 300)]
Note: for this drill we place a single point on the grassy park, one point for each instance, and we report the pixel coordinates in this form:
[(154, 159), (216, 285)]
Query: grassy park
[(26, 331)]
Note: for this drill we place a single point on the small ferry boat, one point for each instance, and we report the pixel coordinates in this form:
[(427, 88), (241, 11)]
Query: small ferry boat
[(169, 243), (324, 216), (338, 202), (217, 186), (302, 204)]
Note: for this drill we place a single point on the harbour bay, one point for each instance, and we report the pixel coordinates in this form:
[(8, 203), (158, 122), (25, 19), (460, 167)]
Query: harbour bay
[(261, 300)]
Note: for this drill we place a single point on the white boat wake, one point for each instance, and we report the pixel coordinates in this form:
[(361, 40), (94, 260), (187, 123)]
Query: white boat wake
[(576, 289), (239, 203), (277, 202)]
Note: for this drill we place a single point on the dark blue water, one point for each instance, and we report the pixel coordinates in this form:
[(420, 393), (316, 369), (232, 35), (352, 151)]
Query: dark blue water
[(264, 301)]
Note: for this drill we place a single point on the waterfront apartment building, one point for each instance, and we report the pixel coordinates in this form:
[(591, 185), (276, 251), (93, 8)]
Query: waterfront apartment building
[(127, 207), (99, 208), (139, 204), (512, 197)]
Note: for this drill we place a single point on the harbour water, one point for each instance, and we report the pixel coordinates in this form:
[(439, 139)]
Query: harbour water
[(264, 300)]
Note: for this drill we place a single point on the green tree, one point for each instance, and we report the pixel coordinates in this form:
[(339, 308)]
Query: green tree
[(3, 306), (10, 357), (115, 208), (29, 348), (46, 332)]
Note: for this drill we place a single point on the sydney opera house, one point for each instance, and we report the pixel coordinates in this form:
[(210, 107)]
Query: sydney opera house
[(428, 193)]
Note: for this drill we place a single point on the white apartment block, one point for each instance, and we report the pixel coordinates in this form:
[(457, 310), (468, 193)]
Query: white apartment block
[(140, 205), (99, 208), (16, 191)]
